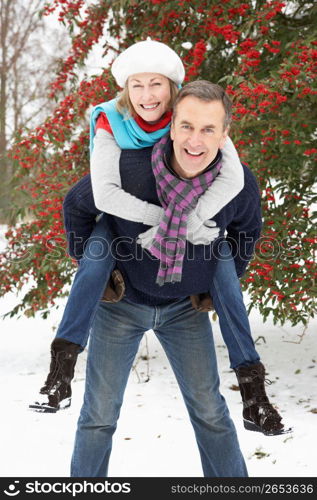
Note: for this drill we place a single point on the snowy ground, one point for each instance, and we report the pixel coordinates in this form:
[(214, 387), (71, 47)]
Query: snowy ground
[(154, 436)]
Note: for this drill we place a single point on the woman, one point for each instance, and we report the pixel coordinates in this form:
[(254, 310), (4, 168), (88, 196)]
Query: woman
[(150, 73)]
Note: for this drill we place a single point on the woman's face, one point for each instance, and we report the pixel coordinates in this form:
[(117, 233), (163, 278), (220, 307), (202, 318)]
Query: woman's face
[(150, 95)]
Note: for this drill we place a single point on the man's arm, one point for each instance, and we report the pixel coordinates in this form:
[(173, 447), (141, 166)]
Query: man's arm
[(245, 228)]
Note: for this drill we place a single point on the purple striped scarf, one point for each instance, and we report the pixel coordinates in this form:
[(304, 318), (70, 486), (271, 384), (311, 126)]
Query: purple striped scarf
[(177, 197)]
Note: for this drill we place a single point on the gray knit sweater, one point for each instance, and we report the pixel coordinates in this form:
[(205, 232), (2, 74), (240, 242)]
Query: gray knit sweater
[(111, 198)]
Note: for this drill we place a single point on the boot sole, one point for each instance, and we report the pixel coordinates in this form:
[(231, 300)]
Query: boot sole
[(51, 409), (251, 426)]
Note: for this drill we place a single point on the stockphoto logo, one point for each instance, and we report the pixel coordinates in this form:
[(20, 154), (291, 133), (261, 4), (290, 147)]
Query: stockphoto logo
[(58, 487), (13, 489)]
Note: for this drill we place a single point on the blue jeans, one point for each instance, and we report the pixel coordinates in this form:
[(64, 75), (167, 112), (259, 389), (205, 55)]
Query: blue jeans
[(187, 340), (228, 302), (79, 213), (94, 271)]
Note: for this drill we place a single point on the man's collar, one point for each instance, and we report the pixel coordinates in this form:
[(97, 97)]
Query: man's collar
[(168, 153)]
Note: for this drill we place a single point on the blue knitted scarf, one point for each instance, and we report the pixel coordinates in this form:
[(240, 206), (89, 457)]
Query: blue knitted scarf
[(126, 131)]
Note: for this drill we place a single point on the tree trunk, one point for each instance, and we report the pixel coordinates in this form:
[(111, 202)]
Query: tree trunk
[(5, 197)]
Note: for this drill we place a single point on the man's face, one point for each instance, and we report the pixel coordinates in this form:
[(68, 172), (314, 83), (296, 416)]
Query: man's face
[(197, 133)]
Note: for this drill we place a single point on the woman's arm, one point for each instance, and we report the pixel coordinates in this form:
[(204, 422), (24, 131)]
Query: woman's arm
[(225, 187), (106, 184)]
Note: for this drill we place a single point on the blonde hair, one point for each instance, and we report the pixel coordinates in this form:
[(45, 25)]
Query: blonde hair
[(124, 104)]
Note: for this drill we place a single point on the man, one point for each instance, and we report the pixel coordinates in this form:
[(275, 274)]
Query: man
[(201, 111)]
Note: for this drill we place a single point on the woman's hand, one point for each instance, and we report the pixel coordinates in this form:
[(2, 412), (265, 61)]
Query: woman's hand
[(203, 235)]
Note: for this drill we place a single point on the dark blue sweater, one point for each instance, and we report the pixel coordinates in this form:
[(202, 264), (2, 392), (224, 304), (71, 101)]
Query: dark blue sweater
[(241, 218)]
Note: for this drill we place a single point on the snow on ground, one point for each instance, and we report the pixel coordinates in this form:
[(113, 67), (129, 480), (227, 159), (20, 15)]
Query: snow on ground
[(154, 436)]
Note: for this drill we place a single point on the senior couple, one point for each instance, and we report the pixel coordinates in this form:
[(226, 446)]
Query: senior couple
[(180, 219)]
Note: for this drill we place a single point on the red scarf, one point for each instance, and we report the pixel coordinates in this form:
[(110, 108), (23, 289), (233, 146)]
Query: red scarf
[(102, 122)]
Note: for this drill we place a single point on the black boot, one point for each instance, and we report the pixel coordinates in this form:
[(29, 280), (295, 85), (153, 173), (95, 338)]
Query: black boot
[(56, 392), (258, 413)]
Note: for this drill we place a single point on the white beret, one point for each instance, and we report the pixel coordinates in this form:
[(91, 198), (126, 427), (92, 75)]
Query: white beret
[(148, 56)]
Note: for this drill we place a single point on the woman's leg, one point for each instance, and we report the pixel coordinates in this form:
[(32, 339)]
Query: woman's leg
[(88, 286), (233, 318), (72, 335), (258, 413), (79, 213)]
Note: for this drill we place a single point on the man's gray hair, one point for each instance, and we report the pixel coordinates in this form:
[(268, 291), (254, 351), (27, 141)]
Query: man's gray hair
[(206, 91)]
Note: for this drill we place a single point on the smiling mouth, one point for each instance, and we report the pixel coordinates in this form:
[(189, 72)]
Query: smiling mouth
[(149, 107), (193, 154)]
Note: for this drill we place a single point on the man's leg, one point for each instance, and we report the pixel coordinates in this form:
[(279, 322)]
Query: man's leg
[(114, 341), (186, 337)]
